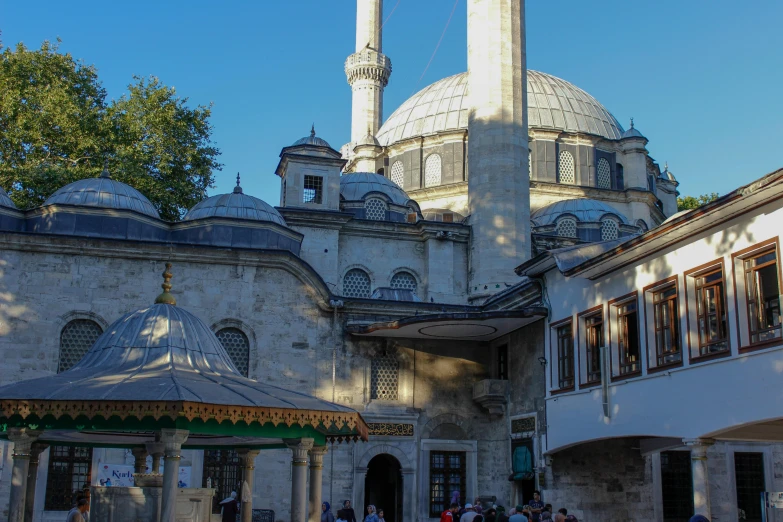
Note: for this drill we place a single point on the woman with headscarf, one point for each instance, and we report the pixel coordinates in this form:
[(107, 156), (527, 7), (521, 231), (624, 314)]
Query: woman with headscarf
[(326, 513), (371, 515), (229, 508)]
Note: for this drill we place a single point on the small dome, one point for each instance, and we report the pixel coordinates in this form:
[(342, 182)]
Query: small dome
[(585, 210), (632, 132), (5, 201), (312, 139), (235, 205), (368, 139), (103, 192), (355, 186), (667, 175)]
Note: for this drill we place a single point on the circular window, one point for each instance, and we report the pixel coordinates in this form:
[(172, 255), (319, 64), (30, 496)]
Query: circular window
[(397, 173), (566, 227), (609, 230), (356, 283), (432, 171), (375, 209), (566, 166), (603, 174)]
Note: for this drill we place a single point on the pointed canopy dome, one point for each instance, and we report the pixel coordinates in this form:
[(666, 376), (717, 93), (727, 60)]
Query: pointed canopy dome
[(5, 201), (237, 205)]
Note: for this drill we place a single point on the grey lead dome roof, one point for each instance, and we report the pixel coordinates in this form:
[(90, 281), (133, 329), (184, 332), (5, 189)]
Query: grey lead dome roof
[(553, 103), (103, 192), (5, 201), (235, 205), (583, 209), (160, 353), (355, 186)]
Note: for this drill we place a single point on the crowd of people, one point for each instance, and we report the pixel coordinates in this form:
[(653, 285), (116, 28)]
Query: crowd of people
[(534, 511)]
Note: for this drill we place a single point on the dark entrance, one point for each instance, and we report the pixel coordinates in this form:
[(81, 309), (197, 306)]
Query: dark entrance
[(222, 469), (383, 488)]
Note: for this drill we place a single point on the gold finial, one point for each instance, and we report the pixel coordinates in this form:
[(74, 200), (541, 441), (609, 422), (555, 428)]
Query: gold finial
[(166, 297)]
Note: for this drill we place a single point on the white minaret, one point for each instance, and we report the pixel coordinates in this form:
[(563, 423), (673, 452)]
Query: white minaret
[(368, 71), (498, 183)]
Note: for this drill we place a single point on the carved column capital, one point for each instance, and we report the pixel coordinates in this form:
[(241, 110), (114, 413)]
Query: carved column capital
[(23, 439), (299, 447), (172, 441), (248, 457), (317, 456)]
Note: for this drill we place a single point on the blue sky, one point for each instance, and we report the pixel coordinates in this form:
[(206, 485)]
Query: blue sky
[(703, 79)]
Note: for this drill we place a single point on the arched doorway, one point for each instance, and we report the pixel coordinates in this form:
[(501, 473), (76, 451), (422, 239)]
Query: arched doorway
[(383, 487)]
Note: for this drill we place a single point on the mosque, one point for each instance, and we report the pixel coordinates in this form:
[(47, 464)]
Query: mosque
[(495, 277)]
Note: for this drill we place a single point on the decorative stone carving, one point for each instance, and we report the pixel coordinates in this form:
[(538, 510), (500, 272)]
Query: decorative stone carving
[(387, 429), (491, 395), (368, 64), (523, 425)]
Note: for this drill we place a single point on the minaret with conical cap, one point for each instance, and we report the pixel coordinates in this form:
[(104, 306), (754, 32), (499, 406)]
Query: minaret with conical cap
[(498, 183), (368, 71)]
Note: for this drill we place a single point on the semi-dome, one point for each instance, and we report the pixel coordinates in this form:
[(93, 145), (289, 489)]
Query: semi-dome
[(312, 139), (103, 192), (236, 205), (355, 186), (583, 209), (553, 103), (5, 201)]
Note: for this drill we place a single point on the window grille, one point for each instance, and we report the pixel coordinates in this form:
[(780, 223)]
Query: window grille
[(447, 474), (384, 376), (76, 339), (356, 283), (609, 230), (404, 281), (676, 485), (69, 471), (397, 173), (313, 189), (566, 227), (432, 170), (223, 467), (749, 478), (603, 174), (567, 171), (237, 346), (565, 356), (375, 209), (642, 226)]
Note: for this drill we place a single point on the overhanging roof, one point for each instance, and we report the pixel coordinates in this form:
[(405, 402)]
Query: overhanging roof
[(455, 326)]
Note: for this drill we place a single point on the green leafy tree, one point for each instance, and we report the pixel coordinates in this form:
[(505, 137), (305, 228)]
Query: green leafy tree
[(690, 202), (56, 127)]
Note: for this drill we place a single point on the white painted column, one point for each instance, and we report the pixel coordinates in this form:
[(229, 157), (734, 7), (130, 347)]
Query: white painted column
[(172, 448), (700, 475), (299, 448), (23, 440), (156, 450), (32, 475), (139, 460), (248, 462), (316, 483)]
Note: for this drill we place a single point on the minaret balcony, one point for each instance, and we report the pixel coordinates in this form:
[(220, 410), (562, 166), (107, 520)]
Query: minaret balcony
[(491, 395)]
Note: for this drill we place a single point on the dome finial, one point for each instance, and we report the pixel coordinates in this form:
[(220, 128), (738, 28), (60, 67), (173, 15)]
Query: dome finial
[(105, 173), (166, 297), (238, 188), (312, 130), (632, 122)]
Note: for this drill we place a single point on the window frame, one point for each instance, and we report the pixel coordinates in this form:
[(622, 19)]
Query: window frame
[(615, 360), (560, 154), (581, 336), (611, 174), (71, 323), (431, 156), (693, 293), (462, 470), (501, 361), (318, 197), (246, 338), (51, 496), (738, 259), (555, 356), (649, 292), (369, 278)]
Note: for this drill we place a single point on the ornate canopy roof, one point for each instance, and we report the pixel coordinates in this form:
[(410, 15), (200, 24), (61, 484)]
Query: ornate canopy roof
[(5, 201)]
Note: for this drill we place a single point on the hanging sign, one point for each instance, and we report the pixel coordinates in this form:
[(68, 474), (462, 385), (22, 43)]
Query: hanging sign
[(110, 475)]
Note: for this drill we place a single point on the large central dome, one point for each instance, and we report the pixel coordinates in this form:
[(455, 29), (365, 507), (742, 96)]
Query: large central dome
[(553, 103)]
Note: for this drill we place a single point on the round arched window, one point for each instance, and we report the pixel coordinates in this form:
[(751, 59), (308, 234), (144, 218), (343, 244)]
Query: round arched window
[(375, 209), (642, 226), (609, 229), (397, 173), (432, 170), (356, 283), (566, 227), (237, 347), (603, 174), (566, 167), (76, 339), (403, 281)]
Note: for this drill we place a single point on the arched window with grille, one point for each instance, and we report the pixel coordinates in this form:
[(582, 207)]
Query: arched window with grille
[(404, 281), (642, 226), (237, 347), (566, 167), (432, 170), (566, 227), (609, 229), (356, 283), (375, 209), (76, 339), (603, 174), (384, 377), (398, 173)]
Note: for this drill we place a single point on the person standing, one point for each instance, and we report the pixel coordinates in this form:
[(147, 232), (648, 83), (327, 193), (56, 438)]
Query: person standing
[(350, 515), (341, 516), (371, 515), (470, 513), (229, 508), (76, 514), (326, 513), (536, 506), (450, 514), (519, 515), (380, 516)]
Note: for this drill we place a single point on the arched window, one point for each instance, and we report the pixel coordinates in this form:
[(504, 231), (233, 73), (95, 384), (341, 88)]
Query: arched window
[(609, 229), (397, 173), (237, 346), (432, 170), (642, 226), (566, 227), (384, 377), (76, 339), (381, 171), (356, 283), (566, 167), (620, 185), (375, 209), (603, 175), (404, 281)]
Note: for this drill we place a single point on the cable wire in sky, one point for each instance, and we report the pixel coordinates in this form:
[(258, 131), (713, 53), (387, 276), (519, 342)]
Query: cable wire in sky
[(438, 45)]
